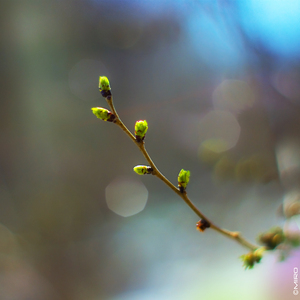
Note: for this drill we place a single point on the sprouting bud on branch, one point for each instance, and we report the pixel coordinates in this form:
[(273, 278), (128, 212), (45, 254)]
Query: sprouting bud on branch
[(252, 257), (140, 129), (103, 114), (142, 170), (202, 225), (272, 238), (183, 179), (104, 86)]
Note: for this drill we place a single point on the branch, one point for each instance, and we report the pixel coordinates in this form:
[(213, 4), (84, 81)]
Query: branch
[(141, 128)]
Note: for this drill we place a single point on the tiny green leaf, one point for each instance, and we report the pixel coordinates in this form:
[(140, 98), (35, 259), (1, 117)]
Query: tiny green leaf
[(183, 179)]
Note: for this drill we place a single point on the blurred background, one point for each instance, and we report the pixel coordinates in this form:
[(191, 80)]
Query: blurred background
[(218, 83)]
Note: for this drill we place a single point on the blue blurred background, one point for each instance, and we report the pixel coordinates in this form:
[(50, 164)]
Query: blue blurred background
[(218, 83)]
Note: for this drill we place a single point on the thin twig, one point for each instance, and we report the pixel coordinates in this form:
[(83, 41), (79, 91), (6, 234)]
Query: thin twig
[(140, 144)]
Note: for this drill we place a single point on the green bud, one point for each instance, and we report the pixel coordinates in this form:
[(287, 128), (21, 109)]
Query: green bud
[(140, 129), (252, 257), (272, 238), (142, 170), (258, 253), (183, 179), (104, 86), (103, 114)]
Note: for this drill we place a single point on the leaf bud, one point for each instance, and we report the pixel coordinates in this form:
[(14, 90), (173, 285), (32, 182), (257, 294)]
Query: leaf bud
[(142, 170), (252, 257), (104, 86), (183, 179), (103, 114), (140, 129), (202, 225), (272, 238)]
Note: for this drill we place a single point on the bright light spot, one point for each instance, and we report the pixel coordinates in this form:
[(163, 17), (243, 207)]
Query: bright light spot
[(84, 79), (219, 131), (275, 22), (211, 41), (233, 95), (126, 197)]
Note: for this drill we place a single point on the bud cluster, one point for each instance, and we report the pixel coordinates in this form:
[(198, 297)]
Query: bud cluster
[(252, 257)]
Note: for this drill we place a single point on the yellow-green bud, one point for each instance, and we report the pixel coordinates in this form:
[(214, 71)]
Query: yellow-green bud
[(258, 253), (104, 86), (103, 114), (183, 179), (252, 257), (104, 83), (272, 238), (142, 170), (140, 129)]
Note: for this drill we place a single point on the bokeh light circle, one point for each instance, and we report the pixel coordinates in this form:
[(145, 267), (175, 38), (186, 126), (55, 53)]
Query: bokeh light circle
[(126, 197), (233, 95), (219, 131)]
